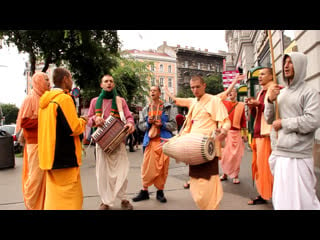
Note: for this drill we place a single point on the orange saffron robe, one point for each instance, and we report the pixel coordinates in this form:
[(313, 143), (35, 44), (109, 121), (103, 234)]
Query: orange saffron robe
[(33, 178), (233, 151), (207, 194), (261, 150)]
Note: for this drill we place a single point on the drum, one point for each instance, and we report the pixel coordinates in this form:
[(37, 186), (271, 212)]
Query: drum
[(191, 148)]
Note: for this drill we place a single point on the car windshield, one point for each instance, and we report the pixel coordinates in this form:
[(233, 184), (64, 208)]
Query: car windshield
[(9, 129)]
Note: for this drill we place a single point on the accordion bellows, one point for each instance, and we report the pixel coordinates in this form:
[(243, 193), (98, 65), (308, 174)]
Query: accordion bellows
[(110, 135)]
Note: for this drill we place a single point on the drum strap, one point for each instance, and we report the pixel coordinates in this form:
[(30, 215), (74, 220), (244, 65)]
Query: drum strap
[(190, 114), (233, 108), (187, 120)]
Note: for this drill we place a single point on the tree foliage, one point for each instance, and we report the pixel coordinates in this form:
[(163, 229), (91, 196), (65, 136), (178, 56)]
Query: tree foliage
[(131, 78), (88, 54), (214, 84), (10, 112), (93, 55)]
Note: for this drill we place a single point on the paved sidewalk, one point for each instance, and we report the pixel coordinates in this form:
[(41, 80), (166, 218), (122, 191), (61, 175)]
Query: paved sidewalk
[(235, 196)]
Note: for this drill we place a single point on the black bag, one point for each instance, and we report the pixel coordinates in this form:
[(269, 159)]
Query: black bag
[(7, 158)]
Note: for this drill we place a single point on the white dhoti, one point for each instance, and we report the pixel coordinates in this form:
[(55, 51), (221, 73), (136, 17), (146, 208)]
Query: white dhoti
[(111, 172), (294, 183)]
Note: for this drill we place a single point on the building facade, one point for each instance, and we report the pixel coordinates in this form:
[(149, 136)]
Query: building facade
[(190, 62), (162, 66)]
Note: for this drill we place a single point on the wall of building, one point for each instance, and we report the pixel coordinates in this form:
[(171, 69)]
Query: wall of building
[(158, 58), (199, 63), (308, 42), (164, 74)]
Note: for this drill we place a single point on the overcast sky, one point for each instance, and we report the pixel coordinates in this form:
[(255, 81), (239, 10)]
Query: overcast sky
[(213, 40), (12, 80)]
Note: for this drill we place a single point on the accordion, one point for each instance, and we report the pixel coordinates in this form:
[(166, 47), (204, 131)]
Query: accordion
[(110, 135)]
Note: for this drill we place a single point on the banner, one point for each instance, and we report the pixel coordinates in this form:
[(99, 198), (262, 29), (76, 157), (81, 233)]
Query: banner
[(228, 76)]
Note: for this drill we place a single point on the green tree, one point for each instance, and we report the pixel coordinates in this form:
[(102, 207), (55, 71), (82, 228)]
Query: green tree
[(88, 54), (94, 55), (214, 84), (131, 78), (10, 112)]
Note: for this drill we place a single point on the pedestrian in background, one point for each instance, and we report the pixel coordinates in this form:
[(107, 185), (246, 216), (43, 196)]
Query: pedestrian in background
[(33, 178), (131, 139), (60, 149), (261, 144), (180, 120), (158, 121), (291, 161), (111, 169), (136, 133), (233, 151)]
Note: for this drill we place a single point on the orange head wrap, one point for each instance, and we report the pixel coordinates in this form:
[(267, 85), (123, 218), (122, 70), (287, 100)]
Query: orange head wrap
[(29, 107)]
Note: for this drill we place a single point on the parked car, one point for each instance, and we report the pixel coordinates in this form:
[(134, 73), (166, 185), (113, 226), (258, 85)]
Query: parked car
[(11, 129)]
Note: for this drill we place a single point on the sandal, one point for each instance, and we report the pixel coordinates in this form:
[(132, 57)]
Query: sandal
[(258, 200), (223, 177), (186, 185), (104, 207), (236, 181), (126, 205)]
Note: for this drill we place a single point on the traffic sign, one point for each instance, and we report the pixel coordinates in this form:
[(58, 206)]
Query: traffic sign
[(75, 92)]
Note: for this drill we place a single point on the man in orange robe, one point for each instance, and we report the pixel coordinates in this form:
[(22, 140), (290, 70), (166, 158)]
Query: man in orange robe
[(234, 149), (59, 144), (207, 114), (261, 144), (33, 178), (158, 121)]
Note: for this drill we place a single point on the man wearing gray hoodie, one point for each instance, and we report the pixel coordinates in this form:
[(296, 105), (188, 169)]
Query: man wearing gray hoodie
[(291, 161)]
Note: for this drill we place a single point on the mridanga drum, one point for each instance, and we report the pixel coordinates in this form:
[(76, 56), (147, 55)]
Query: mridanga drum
[(191, 148)]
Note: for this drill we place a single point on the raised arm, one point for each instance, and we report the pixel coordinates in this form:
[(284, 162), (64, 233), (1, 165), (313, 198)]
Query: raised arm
[(181, 102), (166, 90), (223, 95)]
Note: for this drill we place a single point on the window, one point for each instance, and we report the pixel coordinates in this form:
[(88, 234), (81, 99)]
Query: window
[(161, 68), (208, 67), (264, 58), (186, 64), (199, 65), (161, 81), (169, 82), (169, 68), (153, 82), (152, 67)]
